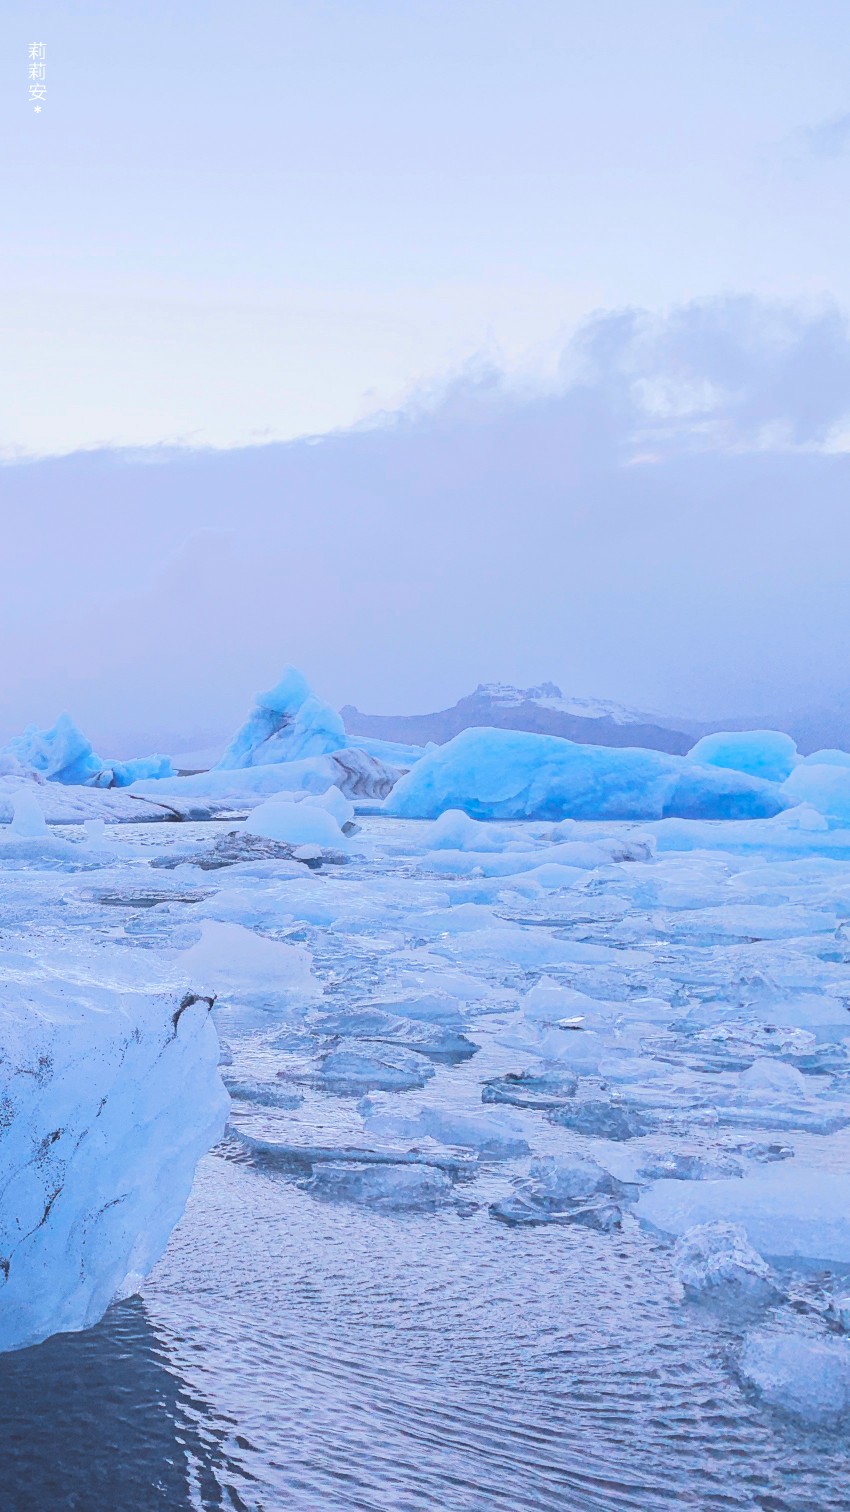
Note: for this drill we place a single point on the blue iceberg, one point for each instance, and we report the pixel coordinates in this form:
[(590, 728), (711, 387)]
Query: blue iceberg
[(513, 774), (287, 723), (64, 754)]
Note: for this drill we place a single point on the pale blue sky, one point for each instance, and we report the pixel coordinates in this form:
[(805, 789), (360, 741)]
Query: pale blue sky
[(236, 222), (233, 225)]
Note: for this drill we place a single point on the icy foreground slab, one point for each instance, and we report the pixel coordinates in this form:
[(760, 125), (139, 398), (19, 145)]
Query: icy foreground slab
[(512, 774), (109, 1094)]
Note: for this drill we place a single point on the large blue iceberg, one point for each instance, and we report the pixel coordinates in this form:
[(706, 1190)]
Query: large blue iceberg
[(513, 774), (63, 754), (286, 724)]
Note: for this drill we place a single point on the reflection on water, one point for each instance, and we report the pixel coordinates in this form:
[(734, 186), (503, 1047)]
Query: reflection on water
[(99, 1420)]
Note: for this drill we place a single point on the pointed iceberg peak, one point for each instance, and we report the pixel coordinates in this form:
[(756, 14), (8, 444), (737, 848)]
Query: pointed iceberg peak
[(286, 723)]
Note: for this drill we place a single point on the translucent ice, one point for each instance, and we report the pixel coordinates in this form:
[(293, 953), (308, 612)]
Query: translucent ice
[(384, 1188), (110, 1095), (566, 1189), (805, 1375), (287, 723), (716, 1262)]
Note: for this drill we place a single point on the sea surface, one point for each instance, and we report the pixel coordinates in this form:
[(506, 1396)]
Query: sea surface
[(301, 1348)]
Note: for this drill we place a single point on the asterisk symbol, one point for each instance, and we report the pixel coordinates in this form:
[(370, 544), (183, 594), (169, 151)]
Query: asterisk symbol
[(38, 110)]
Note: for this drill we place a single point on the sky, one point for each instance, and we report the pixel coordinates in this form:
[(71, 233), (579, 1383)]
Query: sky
[(562, 288)]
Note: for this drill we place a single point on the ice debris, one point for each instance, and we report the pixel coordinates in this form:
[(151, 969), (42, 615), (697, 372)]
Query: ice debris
[(804, 1375), (565, 1189), (384, 1188), (715, 1262)]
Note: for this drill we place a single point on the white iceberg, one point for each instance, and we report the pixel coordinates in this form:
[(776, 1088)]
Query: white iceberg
[(286, 724), (513, 774), (297, 823), (110, 1094)]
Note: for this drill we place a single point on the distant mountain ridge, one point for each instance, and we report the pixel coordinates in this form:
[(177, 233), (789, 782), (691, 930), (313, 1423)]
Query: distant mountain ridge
[(542, 709)]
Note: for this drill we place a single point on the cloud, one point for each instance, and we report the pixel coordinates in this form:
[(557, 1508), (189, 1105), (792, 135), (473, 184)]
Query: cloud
[(485, 532)]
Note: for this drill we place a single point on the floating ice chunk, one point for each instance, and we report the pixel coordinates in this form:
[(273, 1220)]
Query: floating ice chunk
[(768, 754), (774, 1081), (287, 723), (494, 1136), (110, 1095), (788, 1211), (549, 1002), (383, 1188), (230, 958), (579, 1049), (603, 1118), (440, 1042), (826, 788), (336, 804), (262, 1094), (528, 1089), (689, 1166), (356, 774), (454, 830), (514, 774), (28, 821), (430, 1007), (566, 1189), (352, 1072), (297, 824), (801, 1374), (715, 1262)]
